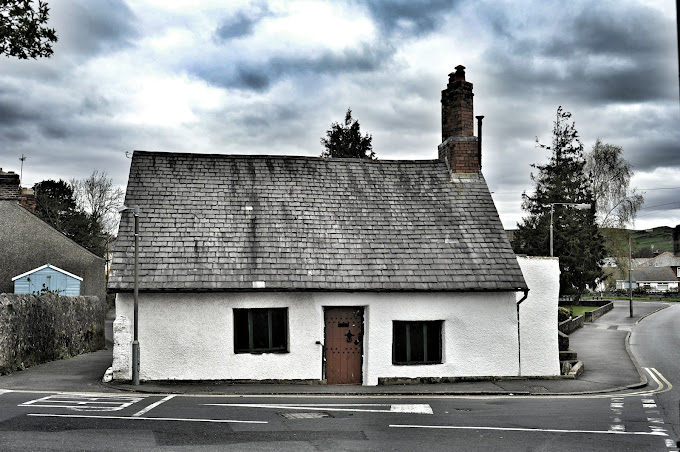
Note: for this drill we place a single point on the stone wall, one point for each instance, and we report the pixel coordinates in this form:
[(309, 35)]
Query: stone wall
[(571, 325), (37, 329), (595, 314)]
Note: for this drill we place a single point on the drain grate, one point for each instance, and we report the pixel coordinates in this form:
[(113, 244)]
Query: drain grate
[(314, 415)]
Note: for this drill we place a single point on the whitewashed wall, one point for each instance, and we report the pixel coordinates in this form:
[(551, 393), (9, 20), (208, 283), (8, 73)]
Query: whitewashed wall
[(190, 336), (538, 316)]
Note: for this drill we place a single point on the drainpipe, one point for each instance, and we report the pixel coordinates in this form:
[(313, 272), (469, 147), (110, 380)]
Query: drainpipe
[(519, 343), (479, 140)]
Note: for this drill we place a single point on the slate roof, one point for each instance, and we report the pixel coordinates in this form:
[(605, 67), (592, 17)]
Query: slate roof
[(230, 222), (653, 274), (664, 259)]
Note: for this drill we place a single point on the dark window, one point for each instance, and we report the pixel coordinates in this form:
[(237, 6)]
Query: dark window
[(417, 342), (260, 330)]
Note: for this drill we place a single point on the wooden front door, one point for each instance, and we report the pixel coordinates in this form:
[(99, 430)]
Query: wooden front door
[(344, 345)]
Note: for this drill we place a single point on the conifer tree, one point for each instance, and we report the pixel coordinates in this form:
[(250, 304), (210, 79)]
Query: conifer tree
[(577, 240), (345, 140)]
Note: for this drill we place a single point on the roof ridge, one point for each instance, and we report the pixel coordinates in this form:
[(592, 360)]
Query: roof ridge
[(283, 157)]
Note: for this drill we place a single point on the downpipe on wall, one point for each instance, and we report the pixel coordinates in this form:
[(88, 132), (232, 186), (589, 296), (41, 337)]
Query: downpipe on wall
[(519, 342)]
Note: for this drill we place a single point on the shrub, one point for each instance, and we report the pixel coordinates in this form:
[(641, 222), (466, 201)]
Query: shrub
[(563, 314)]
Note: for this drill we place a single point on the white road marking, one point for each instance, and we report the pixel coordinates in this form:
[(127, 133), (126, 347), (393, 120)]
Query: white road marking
[(5, 391), (82, 402), (655, 420), (538, 430), (128, 418), (414, 409), (670, 443), (153, 405), (359, 407)]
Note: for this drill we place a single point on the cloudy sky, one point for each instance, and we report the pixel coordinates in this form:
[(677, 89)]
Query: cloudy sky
[(270, 76)]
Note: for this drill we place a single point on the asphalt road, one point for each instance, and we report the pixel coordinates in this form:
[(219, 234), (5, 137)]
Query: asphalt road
[(655, 343), (131, 422)]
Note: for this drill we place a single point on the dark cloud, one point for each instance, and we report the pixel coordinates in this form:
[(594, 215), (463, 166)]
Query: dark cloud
[(241, 23), (89, 28), (408, 17), (647, 155), (612, 55), (14, 112), (259, 76)]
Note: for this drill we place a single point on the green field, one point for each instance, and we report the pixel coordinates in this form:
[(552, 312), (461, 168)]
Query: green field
[(580, 310)]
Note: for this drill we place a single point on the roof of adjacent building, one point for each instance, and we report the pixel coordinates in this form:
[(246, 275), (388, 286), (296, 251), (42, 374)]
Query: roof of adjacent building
[(653, 274), (42, 267), (230, 222), (27, 242), (664, 259)]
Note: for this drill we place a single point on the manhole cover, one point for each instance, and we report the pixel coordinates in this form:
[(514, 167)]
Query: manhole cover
[(315, 415)]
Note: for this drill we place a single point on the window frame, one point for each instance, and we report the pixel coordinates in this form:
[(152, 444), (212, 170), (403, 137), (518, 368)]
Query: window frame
[(408, 324), (249, 329)]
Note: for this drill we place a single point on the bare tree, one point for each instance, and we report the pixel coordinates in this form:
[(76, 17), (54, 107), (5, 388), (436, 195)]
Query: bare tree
[(98, 196), (616, 202)]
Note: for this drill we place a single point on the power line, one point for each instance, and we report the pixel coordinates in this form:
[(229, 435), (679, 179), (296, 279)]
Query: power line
[(659, 205), (662, 188)]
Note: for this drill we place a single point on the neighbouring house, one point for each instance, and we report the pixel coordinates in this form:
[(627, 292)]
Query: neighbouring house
[(660, 273), (653, 279), (665, 259), (48, 278), (29, 244), (348, 271)]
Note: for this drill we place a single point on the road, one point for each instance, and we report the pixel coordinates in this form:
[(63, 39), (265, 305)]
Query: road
[(131, 422), (655, 342)]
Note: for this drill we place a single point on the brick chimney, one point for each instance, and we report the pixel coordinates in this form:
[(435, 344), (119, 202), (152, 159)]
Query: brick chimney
[(459, 145), (9, 185)]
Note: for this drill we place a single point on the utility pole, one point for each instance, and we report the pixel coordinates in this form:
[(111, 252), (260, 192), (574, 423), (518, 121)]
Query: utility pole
[(21, 174)]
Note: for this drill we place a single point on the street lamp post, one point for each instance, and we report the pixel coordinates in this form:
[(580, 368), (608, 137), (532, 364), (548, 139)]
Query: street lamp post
[(630, 273), (579, 206), (135, 321)]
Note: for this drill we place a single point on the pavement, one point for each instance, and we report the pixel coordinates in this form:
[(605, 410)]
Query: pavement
[(602, 346)]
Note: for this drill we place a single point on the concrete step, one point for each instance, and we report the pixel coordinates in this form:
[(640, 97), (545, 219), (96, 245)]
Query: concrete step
[(568, 355)]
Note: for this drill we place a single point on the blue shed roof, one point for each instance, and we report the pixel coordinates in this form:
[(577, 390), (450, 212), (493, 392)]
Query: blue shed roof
[(47, 266)]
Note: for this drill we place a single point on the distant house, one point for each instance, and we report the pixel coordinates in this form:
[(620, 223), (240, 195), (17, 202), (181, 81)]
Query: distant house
[(27, 243), (48, 278), (665, 259), (346, 271), (653, 279)]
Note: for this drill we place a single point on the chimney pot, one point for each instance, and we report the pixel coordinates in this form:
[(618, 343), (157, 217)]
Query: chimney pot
[(459, 75)]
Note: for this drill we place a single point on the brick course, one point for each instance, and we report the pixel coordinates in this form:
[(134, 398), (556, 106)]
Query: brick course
[(9, 185)]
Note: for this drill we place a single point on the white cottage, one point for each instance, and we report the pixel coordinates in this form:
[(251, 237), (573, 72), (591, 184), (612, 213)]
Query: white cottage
[(346, 271)]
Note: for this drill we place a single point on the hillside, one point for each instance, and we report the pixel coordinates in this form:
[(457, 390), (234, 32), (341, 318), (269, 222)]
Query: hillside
[(656, 239)]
